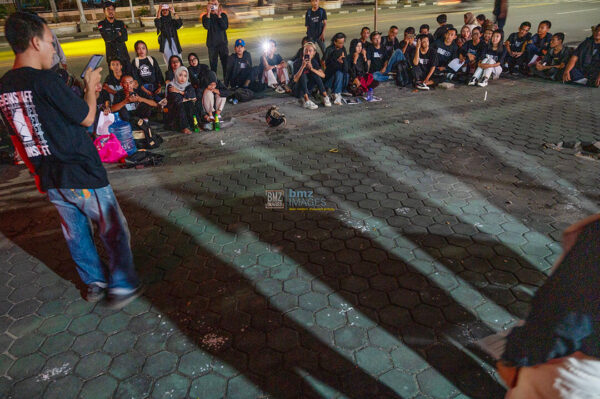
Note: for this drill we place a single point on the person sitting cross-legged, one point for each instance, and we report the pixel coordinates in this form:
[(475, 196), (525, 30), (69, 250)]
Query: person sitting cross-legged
[(239, 72), (382, 61), (423, 63), (174, 63), (182, 103), (515, 47), (365, 33), (584, 65), (552, 65), (470, 51), (112, 83), (132, 104), (197, 74), (147, 72), (275, 71), (491, 59), (308, 75), (539, 44), (449, 60), (336, 67)]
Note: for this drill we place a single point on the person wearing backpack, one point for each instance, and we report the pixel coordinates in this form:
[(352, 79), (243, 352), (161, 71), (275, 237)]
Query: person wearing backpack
[(146, 72), (167, 24)]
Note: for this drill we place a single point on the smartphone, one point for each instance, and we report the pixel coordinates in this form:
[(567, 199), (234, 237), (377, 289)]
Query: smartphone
[(306, 57), (93, 63)]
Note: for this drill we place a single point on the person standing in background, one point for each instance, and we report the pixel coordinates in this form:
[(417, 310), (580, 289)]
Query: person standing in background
[(167, 23), (216, 23), (59, 59), (315, 21), (114, 33), (500, 12)]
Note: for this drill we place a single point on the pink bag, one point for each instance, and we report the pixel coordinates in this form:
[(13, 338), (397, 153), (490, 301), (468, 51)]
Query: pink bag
[(109, 148)]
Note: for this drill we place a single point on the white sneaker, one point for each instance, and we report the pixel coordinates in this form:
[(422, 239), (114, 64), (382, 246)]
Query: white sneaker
[(279, 90), (310, 105), (326, 101), (473, 82), (483, 83), (337, 99), (422, 86)]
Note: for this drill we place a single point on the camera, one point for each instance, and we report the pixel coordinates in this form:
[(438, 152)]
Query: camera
[(214, 7)]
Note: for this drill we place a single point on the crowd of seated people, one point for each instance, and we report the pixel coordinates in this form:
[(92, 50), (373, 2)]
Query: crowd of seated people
[(474, 54)]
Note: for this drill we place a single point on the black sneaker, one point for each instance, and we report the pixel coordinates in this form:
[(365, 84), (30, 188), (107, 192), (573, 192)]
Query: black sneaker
[(95, 293), (118, 301)]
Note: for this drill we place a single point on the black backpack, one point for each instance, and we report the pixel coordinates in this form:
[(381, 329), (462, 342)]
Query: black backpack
[(243, 95), (150, 140)]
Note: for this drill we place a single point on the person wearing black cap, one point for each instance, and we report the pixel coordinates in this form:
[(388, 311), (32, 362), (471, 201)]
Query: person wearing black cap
[(167, 23), (114, 33), (216, 23)]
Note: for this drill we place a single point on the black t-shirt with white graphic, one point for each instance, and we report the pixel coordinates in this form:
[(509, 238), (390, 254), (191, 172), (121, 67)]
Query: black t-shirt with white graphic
[(46, 117), (497, 55), (148, 71), (445, 53), (313, 20), (470, 48), (120, 96), (426, 60), (377, 56), (516, 42)]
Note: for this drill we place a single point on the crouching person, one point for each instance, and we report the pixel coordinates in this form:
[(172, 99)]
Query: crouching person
[(552, 65), (185, 111), (336, 67), (360, 78), (132, 104), (308, 75), (491, 59), (212, 101)]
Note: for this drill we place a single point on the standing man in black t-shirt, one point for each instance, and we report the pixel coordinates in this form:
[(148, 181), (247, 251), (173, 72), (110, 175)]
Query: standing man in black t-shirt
[(315, 21), (47, 123), (215, 21), (114, 33)]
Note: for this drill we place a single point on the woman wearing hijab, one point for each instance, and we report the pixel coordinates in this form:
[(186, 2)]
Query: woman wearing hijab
[(167, 23), (198, 74), (470, 21), (182, 103)]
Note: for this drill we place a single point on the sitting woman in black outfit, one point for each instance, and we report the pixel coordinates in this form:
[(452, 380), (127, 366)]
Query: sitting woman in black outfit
[(146, 72), (198, 74), (360, 78), (182, 103)]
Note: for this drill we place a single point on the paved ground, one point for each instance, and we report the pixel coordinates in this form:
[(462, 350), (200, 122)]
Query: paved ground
[(448, 214)]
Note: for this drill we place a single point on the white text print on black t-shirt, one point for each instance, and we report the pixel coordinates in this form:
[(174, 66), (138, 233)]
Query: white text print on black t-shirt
[(20, 112)]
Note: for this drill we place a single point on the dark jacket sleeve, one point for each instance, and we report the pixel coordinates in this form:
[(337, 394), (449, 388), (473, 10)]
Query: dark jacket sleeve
[(124, 36), (158, 25), (206, 21), (108, 36), (178, 23), (158, 75), (223, 22)]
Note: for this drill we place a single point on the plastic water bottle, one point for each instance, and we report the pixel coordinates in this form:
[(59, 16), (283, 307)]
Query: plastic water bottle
[(217, 123), (235, 101), (370, 95), (196, 126), (122, 130)]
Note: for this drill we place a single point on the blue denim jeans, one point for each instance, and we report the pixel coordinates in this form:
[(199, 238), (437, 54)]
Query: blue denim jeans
[(77, 209), (396, 57), (337, 82)]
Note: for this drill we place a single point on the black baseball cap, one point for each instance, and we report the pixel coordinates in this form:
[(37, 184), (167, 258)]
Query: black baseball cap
[(107, 4)]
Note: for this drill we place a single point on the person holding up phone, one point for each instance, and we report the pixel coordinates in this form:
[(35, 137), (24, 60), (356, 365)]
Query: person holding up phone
[(216, 23), (47, 123), (308, 74), (167, 23)]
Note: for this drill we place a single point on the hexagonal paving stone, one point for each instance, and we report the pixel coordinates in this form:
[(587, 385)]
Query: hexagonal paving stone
[(330, 318), (436, 387), (26, 345), (312, 301), (115, 322), (296, 286), (173, 385), (66, 387), (283, 339), (351, 338), (210, 386), (84, 324), (100, 387), (195, 363), (57, 343), (26, 366), (23, 326), (119, 343), (126, 365), (374, 361), (150, 343), (137, 386), (93, 365), (89, 342), (403, 384), (242, 388), (160, 364)]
